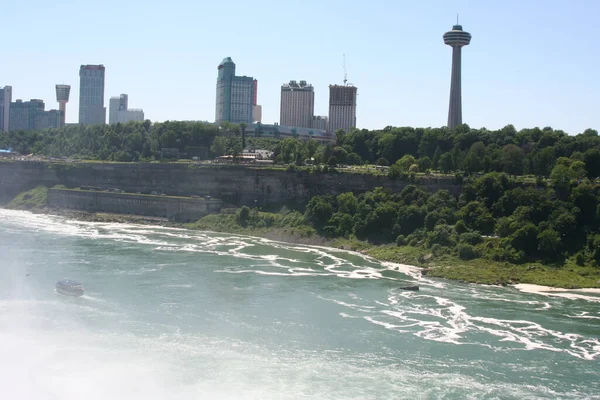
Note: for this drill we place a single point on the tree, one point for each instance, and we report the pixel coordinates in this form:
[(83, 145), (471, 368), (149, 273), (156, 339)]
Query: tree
[(319, 210), (474, 160), (347, 203), (592, 162), (382, 161), (562, 176), (405, 162), (353, 159), (446, 163), (243, 215), (526, 239), (549, 243), (512, 159), (543, 161), (424, 163), (219, 146), (578, 168), (436, 157)]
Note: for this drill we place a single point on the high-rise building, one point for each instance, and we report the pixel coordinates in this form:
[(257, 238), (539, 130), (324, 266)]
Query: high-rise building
[(30, 115), (62, 96), (5, 100), (119, 111), (235, 95), (116, 104), (320, 122), (257, 113), (297, 104), (342, 107), (91, 95), (456, 38)]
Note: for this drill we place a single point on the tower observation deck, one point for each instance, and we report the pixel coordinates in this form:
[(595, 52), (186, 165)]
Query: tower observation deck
[(456, 38)]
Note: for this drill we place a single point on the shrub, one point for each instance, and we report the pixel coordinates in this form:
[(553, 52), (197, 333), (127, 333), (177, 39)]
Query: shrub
[(401, 240), (243, 215), (441, 235), (580, 258), (467, 252), (460, 227), (383, 161), (472, 238)]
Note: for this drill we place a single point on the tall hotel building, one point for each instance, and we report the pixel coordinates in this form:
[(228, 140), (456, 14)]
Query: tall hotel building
[(235, 95), (91, 95), (297, 104), (5, 100), (342, 107)]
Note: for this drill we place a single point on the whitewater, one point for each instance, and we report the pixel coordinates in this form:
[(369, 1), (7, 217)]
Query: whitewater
[(181, 314)]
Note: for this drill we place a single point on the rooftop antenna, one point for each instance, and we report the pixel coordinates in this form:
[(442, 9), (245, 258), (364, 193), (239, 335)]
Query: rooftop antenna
[(345, 75), (457, 19)]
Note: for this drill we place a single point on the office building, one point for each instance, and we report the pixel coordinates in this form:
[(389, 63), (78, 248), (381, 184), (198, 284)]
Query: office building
[(5, 100), (320, 122), (456, 38), (62, 97), (297, 104), (342, 107), (31, 115), (257, 113), (256, 108), (91, 95), (235, 95), (119, 111), (116, 104)]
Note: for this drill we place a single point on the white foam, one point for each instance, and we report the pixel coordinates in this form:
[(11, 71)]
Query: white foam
[(571, 294)]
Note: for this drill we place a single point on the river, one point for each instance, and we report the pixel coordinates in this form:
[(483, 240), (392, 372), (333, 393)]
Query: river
[(178, 314)]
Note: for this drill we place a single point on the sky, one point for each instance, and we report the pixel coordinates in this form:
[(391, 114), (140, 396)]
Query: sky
[(530, 62)]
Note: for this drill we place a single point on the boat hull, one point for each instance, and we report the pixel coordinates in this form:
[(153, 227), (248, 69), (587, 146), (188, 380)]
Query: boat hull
[(72, 293)]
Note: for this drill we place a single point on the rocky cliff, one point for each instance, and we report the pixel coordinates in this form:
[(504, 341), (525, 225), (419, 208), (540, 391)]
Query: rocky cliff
[(236, 185)]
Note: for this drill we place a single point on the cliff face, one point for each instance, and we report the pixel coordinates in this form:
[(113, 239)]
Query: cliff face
[(234, 184)]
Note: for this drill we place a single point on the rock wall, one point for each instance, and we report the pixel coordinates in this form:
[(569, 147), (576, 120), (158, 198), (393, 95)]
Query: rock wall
[(174, 208), (236, 185)]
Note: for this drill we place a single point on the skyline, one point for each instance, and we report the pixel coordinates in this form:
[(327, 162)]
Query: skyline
[(403, 78)]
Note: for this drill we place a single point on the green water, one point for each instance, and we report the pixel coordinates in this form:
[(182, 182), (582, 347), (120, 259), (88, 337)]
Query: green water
[(176, 314)]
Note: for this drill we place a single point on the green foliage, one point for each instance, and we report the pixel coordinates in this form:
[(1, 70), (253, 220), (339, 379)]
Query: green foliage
[(31, 199), (466, 251), (462, 149), (243, 216)]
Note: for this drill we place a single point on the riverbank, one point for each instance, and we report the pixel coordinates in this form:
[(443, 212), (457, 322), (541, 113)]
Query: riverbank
[(291, 227), (478, 271), (446, 266)]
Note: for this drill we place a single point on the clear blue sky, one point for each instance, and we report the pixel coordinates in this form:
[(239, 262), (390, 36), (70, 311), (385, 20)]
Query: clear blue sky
[(530, 62)]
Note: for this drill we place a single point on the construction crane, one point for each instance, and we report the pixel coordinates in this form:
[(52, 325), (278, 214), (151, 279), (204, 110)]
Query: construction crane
[(345, 75)]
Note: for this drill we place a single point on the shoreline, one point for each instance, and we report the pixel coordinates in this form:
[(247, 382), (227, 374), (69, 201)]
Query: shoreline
[(419, 261)]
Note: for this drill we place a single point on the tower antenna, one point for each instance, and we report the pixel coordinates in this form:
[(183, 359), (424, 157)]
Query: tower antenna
[(345, 75), (457, 19)]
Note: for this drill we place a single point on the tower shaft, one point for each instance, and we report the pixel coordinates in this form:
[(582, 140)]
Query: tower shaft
[(455, 108), (62, 106)]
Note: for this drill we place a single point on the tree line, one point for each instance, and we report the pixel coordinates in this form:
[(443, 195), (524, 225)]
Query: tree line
[(405, 149), (495, 218)]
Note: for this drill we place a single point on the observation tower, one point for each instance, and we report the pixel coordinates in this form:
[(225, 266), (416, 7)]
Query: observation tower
[(62, 96), (456, 38)]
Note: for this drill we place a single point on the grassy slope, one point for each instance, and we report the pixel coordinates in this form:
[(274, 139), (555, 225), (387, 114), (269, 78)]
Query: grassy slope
[(30, 200)]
